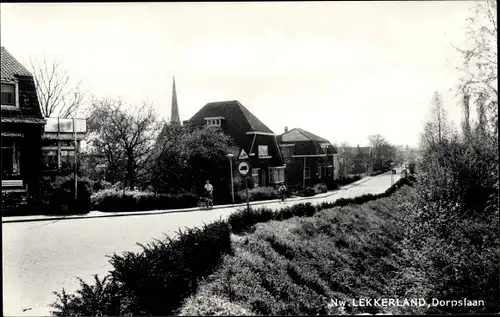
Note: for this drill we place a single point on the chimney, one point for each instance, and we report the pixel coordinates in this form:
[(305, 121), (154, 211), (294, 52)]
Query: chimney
[(286, 129)]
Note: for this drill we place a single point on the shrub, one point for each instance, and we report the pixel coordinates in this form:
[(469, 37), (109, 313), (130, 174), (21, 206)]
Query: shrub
[(379, 172), (62, 196), (348, 180), (112, 200), (244, 219), (258, 194), (12, 199), (320, 188), (331, 184), (208, 305), (309, 192), (100, 185), (153, 282)]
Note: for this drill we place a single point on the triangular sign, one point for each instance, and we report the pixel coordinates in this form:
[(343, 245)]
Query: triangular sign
[(243, 155)]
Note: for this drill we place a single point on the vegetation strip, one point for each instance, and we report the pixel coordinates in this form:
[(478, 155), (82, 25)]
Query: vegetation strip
[(158, 280)]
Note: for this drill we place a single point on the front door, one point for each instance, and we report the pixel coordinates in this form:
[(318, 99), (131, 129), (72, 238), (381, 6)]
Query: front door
[(263, 178)]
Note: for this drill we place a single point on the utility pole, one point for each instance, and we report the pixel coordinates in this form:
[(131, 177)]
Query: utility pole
[(230, 156), (76, 160), (304, 175)]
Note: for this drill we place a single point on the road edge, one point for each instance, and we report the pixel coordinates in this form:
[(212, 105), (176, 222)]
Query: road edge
[(163, 211)]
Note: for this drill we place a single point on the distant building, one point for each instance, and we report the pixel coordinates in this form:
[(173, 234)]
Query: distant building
[(309, 159), (248, 133)]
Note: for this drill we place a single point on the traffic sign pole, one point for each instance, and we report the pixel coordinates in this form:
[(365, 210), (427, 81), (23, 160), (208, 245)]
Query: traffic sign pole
[(243, 168), (246, 189)]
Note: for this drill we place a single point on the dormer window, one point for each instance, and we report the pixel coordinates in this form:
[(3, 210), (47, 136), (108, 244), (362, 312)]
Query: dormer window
[(8, 95), (325, 146), (214, 121)]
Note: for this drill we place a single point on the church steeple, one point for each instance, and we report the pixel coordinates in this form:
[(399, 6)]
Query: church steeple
[(174, 117)]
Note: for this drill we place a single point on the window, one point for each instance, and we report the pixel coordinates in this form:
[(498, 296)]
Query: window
[(320, 170), (307, 173), (67, 157), (8, 95), (263, 151), (10, 158), (255, 177), (324, 147), (287, 151), (329, 170), (276, 175)]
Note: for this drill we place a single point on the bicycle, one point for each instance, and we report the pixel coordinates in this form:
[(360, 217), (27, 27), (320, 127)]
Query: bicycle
[(205, 202)]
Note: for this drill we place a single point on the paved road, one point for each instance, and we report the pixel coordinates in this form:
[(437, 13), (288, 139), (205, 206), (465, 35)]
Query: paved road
[(42, 257)]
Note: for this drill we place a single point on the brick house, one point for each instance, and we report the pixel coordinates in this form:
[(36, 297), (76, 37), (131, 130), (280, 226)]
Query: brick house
[(22, 128), (309, 158), (248, 133), (32, 146)]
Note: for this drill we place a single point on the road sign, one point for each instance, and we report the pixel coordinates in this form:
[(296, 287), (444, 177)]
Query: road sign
[(243, 168), (243, 155)]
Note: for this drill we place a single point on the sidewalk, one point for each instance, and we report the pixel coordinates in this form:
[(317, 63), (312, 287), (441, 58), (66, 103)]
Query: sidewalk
[(99, 214)]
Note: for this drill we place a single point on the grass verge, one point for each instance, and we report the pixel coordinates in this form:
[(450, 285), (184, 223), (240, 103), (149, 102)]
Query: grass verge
[(297, 266)]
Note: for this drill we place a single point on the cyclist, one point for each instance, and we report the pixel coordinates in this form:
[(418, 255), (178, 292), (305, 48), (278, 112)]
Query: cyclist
[(209, 189)]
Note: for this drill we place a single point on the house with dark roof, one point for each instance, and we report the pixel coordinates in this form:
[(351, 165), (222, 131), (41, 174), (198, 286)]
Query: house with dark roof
[(248, 133), (22, 127), (309, 159)]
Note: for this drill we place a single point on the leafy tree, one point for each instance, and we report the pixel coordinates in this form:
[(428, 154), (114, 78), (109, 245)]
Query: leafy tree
[(123, 136), (382, 153), (184, 159)]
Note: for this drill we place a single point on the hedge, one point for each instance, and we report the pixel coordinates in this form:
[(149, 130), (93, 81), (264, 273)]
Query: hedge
[(380, 172), (153, 282), (257, 194), (244, 219), (157, 280), (112, 200)]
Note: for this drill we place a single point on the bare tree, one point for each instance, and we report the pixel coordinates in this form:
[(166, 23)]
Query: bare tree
[(124, 135), (55, 93)]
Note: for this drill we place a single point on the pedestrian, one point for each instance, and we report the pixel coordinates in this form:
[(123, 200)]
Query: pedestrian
[(209, 189), (282, 192)]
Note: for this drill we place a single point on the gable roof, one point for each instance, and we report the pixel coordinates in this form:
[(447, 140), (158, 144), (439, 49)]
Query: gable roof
[(230, 109), (298, 134), (10, 67), (359, 149)]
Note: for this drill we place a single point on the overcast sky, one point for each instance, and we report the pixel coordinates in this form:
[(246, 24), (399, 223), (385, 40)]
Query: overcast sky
[(342, 70)]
